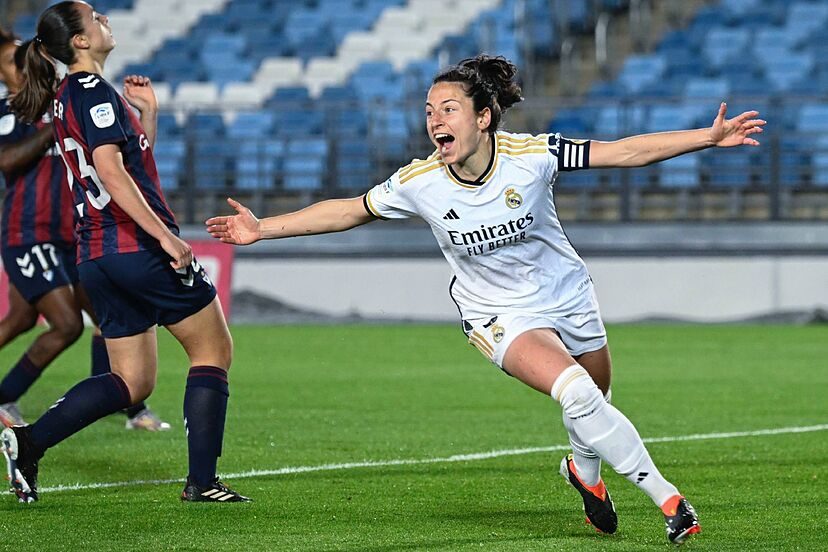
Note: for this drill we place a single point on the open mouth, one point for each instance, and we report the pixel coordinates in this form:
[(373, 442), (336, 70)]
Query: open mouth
[(444, 141)]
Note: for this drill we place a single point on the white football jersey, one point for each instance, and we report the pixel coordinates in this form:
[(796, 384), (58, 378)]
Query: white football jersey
[(500, 234)]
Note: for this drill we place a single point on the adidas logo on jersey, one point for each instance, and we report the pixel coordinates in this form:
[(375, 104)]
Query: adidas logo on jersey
[(451, 215), (89, 82)]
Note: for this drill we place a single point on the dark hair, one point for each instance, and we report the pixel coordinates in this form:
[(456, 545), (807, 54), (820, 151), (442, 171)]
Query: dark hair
[(7, 37), (55, 29), (489, 81)]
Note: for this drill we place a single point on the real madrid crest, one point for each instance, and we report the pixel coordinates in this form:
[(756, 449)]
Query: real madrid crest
[(498, 331), (513, 199)]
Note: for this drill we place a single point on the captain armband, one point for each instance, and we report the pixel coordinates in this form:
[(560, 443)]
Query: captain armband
[(573, 155)]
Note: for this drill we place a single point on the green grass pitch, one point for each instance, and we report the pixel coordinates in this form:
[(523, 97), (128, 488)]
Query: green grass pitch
[(308, 396)]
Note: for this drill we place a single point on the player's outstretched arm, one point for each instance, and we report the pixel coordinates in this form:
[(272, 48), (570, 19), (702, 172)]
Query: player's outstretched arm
[(644, 149), (333, 215)]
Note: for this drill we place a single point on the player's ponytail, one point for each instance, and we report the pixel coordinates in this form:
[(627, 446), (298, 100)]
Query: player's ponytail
[(55, 30), (490, 81)]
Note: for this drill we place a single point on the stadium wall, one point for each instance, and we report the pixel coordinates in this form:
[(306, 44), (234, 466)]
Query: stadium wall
[(701, 289), (696, 272)]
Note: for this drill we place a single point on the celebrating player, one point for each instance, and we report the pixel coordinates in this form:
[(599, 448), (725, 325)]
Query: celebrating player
[(38, 249), (525, 297), (137, 271)]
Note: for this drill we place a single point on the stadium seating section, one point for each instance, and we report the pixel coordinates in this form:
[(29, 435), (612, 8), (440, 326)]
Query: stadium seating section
[(763, 54), (306, 95)]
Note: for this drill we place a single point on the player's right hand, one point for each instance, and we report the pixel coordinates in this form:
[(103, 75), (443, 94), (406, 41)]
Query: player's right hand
[(178, 249), (239, 229)]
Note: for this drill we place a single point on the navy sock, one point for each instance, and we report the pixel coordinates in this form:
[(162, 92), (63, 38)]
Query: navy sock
[(205, 406), (86, 402), (100, 357), (18, 380), (100, 365)]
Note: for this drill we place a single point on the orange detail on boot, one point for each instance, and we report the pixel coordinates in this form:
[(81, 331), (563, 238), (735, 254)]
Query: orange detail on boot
[(671, 505), (599, 489)]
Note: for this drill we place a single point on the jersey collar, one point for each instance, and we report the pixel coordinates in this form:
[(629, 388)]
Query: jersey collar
[(483, 178)]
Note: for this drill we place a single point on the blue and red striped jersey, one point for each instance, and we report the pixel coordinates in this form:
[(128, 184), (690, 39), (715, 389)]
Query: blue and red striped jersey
[(38, 204), (88, 113)]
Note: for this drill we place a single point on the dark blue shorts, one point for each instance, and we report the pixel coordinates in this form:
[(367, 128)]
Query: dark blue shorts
[(37, 269), (132, 292)]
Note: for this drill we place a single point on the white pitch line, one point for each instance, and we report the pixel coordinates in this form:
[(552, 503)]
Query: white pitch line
[(439, 460)]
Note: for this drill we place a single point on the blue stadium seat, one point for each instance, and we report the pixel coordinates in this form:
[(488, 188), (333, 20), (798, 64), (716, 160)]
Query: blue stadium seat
[(669, 117), (211, 166), (794, 156), (303, 25), (614, 122), (299, 122), (705, 19), (344, 22), (804, 18), (303, 173), (571, 122), (813, 118), (724, 44), (146, 69), (579, 180), (353, 164), (251, 124), (783, 74), (167, 125), (707, 88), (338, 95), (205, 125), (305, 164), (641, 71), (680, 172), (259, 163), (222, 73), (290, 97), (819, 162), (729, 169), (170, 155), (348, 122)]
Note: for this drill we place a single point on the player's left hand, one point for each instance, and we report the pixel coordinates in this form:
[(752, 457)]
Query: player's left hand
[(139, 93), (735, 131)]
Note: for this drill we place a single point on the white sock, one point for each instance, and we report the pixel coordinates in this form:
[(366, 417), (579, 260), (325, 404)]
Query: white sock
[(587, 463), (607, 432)]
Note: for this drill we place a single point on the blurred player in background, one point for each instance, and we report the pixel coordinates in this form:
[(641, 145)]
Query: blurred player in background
[(137, 272), (525, 297), (38, 249)]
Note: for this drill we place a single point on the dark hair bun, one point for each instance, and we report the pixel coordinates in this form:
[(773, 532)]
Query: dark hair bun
[(498, 74)]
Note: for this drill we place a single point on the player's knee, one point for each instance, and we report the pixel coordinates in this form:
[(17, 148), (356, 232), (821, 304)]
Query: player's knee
[(140, 385), (577, 392), (139, 389), (70, 329), (223, 353)]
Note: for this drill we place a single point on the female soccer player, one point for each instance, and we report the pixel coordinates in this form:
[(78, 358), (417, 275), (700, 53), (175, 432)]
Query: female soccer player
[(525, 297), (38, 250), (136, 270)]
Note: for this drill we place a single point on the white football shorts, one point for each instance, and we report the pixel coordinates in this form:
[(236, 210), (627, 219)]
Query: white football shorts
[(581, 331)]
